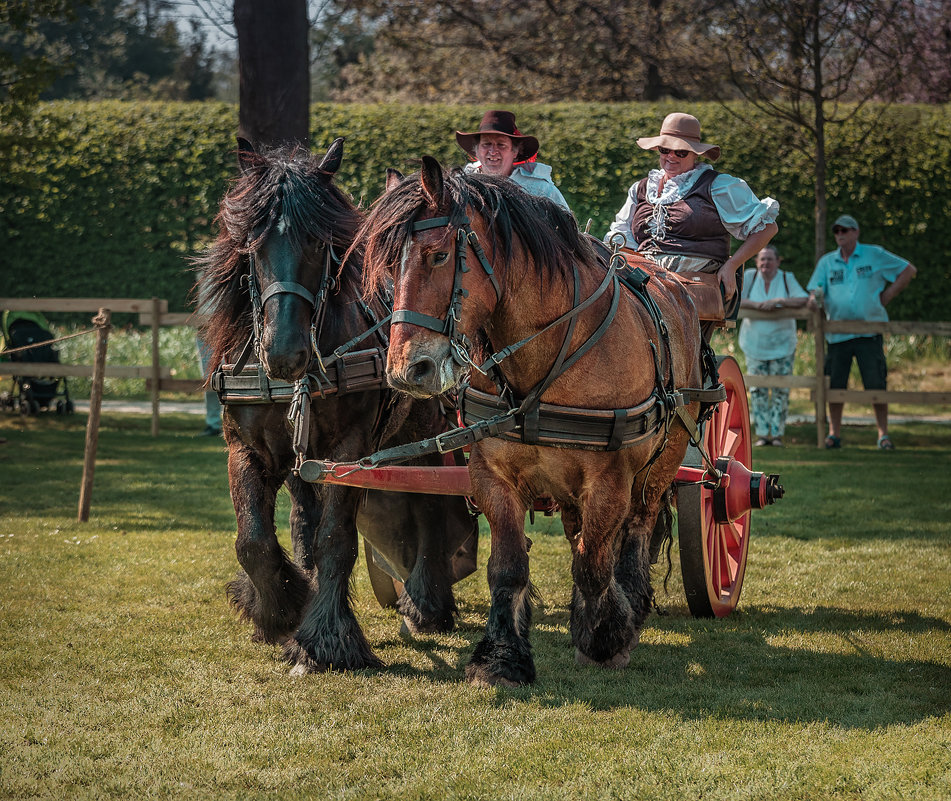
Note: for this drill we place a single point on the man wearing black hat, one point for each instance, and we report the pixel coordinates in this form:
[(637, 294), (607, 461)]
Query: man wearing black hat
[(499, 148), (857, 282)]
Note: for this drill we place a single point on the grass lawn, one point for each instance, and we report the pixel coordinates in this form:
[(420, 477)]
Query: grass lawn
[(123, 673)]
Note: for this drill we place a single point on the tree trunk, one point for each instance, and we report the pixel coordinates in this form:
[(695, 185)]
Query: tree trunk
[(274, 71), (815, 36)]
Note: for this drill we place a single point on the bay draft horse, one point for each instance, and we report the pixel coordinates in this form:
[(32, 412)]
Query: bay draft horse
[(271, 272), (609, 500)]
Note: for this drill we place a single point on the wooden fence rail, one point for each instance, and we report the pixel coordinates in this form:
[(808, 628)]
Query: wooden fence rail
[(154, 313)]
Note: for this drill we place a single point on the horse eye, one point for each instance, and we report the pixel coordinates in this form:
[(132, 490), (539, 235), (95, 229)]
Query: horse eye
[(440, 258)]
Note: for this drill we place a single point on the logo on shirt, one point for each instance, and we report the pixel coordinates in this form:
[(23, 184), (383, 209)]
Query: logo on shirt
[(837, 276), (863, 271)]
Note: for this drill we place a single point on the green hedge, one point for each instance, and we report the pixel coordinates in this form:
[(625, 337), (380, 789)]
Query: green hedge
[(106, 199)]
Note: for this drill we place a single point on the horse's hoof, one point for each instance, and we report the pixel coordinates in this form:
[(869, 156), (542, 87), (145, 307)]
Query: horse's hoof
[(304, 665), (617, 662), (478, 676), (410, 629), (303, 662)]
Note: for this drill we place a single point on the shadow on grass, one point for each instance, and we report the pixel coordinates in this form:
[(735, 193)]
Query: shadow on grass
[(761, 666)]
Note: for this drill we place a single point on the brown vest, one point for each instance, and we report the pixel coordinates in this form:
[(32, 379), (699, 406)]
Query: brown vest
[(693, 224)]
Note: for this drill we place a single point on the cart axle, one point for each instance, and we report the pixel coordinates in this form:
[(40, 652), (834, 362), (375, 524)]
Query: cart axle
[(737, 490)]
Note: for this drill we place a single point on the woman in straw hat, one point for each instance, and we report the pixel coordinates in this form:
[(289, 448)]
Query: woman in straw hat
[(683, 215), (499, 148)]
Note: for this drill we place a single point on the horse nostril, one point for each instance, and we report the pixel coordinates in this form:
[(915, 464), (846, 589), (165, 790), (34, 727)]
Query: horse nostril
[(421, 371), (287, 367)]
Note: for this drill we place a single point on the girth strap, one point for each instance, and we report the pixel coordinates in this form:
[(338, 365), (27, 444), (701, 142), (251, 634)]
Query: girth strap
[(577, 428)]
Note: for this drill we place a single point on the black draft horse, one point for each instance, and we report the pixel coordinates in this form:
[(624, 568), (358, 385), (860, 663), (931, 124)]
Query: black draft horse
[(281, 226)]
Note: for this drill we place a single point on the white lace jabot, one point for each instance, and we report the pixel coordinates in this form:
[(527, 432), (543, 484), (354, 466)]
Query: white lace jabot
[(675, 188)]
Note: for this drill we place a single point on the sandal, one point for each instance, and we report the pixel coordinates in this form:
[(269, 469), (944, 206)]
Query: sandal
[(885, 443), (761, 442), (777, 442), (833, 442)]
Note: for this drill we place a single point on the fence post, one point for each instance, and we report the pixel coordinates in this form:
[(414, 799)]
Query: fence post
[(818, 329), (101, 321), (156, 367)]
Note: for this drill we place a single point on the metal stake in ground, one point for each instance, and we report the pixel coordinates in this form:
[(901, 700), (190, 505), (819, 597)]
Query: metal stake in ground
[(101, 321)]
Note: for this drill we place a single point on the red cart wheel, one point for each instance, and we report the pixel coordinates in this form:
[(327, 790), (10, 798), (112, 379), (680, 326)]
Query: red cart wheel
[(712, 554)]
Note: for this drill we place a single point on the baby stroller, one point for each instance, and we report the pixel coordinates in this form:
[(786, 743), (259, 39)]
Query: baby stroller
[(30, 394)]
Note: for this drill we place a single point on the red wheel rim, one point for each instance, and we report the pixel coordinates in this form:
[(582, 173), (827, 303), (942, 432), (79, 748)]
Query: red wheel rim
[(725, 545), (712, 554)]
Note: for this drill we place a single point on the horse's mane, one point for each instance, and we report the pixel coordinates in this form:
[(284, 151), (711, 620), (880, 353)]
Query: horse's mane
[(277, 187), (547, 232)]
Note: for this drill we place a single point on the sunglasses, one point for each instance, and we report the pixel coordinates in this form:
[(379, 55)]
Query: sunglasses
[(840, 230), (666, 151)]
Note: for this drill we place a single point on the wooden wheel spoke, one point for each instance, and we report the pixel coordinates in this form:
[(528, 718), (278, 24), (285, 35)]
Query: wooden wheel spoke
[(713, 555)]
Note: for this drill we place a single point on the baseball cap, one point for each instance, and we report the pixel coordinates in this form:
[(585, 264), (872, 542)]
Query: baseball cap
[(845, 221)]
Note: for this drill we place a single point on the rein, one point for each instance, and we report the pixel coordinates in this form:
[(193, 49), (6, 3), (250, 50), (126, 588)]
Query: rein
[(459, 343), (615, 429)]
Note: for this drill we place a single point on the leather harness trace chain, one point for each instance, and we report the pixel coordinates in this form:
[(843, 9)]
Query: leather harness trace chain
[(533, 422)]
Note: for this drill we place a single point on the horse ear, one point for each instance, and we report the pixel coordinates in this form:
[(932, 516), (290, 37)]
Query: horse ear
[(433, 185), (393, 178), (246, 154), (330, 163)]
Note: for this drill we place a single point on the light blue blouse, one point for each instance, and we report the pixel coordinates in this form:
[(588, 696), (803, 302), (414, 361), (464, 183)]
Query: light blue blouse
[(741, 212), (534, 178), (769, 339)]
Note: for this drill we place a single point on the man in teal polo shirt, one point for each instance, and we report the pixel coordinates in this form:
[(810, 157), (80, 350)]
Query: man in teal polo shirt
[(858, 282)]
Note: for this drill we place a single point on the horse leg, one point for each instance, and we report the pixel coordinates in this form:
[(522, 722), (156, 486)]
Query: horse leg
[(427, 602), (504, 655), (632, 569), (271, 591), (603, 627), (304, 518), (329, 636)]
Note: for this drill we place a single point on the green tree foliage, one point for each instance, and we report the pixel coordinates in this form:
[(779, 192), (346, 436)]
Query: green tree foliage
[(110, 198), (103, 49), (29, 60)]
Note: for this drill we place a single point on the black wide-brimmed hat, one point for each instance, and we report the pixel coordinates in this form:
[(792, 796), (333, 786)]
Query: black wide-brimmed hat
[(499, 122)]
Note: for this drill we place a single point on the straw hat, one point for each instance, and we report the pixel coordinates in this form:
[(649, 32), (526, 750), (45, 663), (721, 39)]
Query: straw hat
[(681, 132)]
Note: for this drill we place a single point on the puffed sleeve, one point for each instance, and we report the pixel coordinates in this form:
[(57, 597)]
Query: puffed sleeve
[(741, 212), (622, 220)]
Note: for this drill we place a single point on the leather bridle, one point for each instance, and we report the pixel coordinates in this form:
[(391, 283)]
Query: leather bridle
[(460, 345)]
